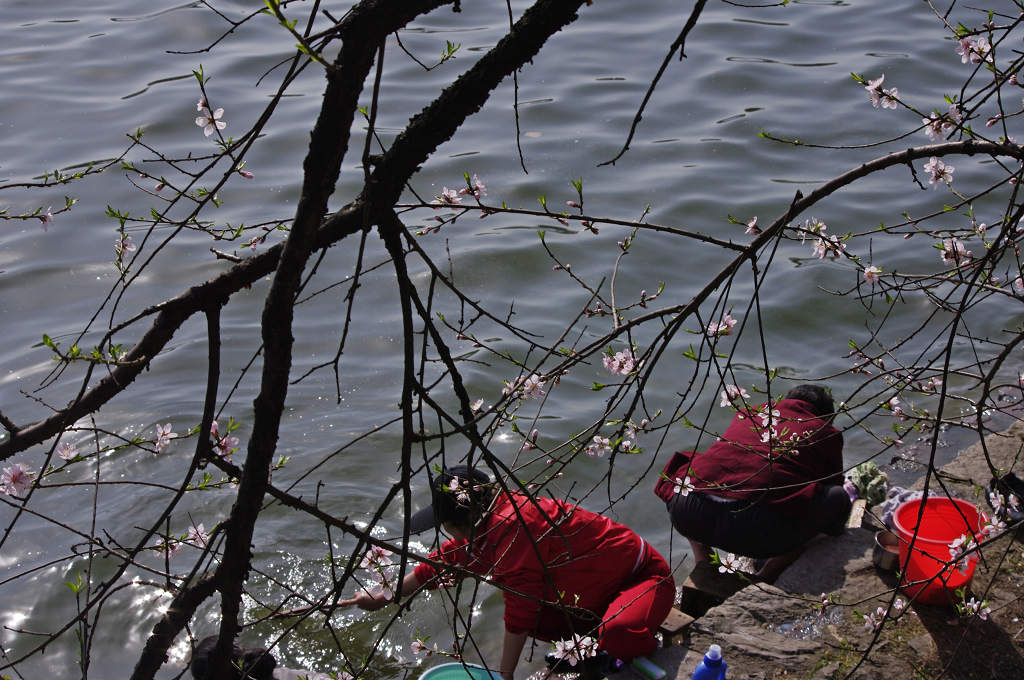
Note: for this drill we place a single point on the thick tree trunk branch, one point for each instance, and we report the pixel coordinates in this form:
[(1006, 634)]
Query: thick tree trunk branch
[(364, 28), (184, 605), (438, 122)]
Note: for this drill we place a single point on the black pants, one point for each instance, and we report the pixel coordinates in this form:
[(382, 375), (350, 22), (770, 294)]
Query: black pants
[(755, 530)]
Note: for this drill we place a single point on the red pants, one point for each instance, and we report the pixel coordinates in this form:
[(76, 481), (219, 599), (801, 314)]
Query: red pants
[(628, 624)]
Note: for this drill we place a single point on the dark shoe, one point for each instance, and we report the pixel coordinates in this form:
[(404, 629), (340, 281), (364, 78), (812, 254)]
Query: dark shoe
[(592, 667)]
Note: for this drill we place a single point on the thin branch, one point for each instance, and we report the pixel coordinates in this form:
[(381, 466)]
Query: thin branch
[(677, 44)]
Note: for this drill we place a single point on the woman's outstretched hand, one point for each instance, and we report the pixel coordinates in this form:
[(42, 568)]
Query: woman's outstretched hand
[(371, 602)]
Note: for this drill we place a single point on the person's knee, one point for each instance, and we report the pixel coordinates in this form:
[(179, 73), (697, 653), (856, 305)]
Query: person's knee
[(631, 622), (626, 642), (838, 498), (835, 509)]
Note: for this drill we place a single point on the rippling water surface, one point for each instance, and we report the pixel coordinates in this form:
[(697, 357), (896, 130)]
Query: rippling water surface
[(80, 76)]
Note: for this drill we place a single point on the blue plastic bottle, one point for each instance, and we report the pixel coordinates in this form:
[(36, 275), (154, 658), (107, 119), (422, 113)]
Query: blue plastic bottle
[(712, 667)]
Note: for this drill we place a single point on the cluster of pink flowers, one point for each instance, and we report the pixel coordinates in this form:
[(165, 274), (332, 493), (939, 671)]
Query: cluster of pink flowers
[(376, 558), (620, 363), (938, 171), (683, 487), (450, 197), (377, 561), (954, 252), (123, 244), (871, 273), (824, 245), (460, 489), (874, 620), (961, 551), (973, 607), (575, 649), (67, 451), (769, 434), (226, 445), (934, 126), (163, 437), (168, 546), (974, 49), (1000, 502), (732, 393), (992, 527), (525, 387), (599, 446), (879, 97), (475, 188), (897, 410), (16, 480), (829, 246), (723, 327), (937, 126), (729, 563), (633, 430), (418, 646), (813, 227), (209, 121), (769, 418), (768, 415), (446, 197), (197, 535)]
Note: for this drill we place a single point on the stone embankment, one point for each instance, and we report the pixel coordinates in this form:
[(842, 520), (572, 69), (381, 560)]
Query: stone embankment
[(782, 631)]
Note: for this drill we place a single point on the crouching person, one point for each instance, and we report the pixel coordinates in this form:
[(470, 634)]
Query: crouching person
[(771, 483), (569, 572)]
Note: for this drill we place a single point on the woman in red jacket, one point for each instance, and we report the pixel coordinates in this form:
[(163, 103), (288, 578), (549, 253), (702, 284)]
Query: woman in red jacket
[(772, 482), (564, 571)]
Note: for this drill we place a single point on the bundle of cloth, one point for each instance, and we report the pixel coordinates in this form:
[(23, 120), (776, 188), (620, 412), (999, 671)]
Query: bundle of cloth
[(896, 497)]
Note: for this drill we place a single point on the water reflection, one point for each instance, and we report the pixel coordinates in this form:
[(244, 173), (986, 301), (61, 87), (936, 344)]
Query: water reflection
[(809, 627)]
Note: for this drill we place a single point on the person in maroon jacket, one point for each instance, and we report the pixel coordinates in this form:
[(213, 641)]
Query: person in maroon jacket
[(772, 482), (564, 571)]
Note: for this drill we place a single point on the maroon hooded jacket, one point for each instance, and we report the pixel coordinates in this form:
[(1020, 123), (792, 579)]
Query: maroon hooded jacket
[(778, 458)]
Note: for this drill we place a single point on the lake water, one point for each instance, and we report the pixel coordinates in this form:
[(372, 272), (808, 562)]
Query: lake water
[(80, 76)]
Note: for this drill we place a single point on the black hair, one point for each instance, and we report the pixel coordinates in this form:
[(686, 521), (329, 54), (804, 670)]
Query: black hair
[(818, 396), (461, 495)]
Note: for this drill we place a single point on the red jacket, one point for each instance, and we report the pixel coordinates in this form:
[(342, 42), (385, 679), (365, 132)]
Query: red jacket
[(802, 452), (581, 558)]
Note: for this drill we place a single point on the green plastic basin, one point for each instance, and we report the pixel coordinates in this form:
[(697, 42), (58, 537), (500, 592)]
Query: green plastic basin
[(458, 671)]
